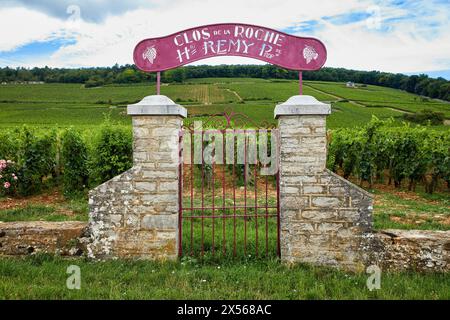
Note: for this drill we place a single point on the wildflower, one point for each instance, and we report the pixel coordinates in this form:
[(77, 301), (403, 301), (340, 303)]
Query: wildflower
[(6, 185)]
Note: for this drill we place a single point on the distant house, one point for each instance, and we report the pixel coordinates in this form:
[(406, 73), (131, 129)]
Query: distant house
[(350, 84)]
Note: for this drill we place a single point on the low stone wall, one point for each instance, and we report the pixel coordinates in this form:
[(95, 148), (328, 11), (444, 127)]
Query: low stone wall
[(131, 217), (30, 237), (325, 220), (391, 250), (401, 250)]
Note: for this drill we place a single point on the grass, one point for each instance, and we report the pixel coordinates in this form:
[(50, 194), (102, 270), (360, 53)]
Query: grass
[(39, 213), (403, 210), (44, 277), (44, 207), (220, 276), (50, 115), (345, 114), (64, 105), (272, 92), (256, 114), (382, 97), (240, 238), (213, 277)]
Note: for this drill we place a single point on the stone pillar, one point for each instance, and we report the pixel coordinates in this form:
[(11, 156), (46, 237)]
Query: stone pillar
[(135, 214), (324, 218)]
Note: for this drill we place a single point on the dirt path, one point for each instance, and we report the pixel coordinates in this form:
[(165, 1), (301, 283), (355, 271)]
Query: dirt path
[(398, 110), (45, 199), (236, 94), (205, 95), (335, 96), (357, 103)]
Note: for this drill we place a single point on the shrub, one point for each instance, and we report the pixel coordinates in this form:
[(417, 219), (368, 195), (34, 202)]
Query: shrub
[(8, 177), (36, 160), (94, 82), (10, 144), (426, 117), (74, 154), (412, 153), (112, 153)]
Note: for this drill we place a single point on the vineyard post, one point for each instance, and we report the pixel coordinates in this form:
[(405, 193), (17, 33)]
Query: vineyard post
[(158, 83)]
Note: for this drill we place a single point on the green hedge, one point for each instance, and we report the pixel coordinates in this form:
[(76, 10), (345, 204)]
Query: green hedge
[(79, 160), (111, 153), (74, 156), (36, 159), (380, 151)]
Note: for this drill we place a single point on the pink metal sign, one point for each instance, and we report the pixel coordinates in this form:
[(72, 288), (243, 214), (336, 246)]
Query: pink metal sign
[(230, 39)]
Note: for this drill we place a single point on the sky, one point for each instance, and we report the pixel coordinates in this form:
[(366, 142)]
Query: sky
[(402, 36)]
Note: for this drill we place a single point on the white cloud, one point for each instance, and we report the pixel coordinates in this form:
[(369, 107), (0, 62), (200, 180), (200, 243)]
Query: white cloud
[(405, 47), (90, 10), (418, 40), (355, 46), (19, 26)]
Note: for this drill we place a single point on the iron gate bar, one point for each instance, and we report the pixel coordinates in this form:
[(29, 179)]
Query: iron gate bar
[(180, 192), (234, 210), (231, 217), (239, 207), (223, 195), (267, 222), (203, 195), (213, 193), (278, 213), (245, 193), (256, 210), (192, 196)]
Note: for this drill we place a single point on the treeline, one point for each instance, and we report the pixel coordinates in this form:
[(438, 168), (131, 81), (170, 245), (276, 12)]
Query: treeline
[(419, 84)]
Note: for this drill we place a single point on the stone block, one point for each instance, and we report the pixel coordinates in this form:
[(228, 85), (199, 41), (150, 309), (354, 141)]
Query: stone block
[(145, 186), (314, 189), (326, 202), (319, 215), (159, 222)]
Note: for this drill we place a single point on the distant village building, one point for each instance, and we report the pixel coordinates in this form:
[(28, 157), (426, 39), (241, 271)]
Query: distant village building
[(350, 84), (24, 82)]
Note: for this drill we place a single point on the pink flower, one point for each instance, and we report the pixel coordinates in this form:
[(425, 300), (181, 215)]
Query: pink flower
[(7, 185), (15, 177)]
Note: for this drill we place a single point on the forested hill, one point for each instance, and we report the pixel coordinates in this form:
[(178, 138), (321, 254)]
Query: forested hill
[(419, 84)]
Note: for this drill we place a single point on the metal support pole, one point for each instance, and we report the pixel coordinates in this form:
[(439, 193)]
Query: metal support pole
[(300, 82), (158, 83)]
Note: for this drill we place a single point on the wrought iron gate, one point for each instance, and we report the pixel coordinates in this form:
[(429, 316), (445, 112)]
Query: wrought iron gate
[(228, 196)]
